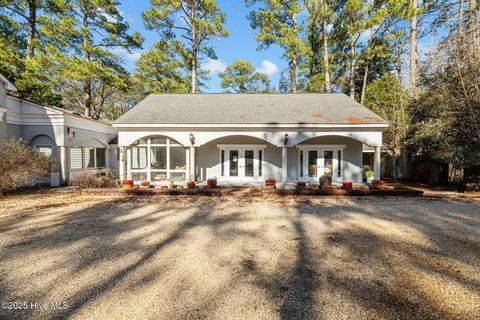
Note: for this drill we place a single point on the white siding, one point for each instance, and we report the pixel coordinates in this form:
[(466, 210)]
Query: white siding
[(76, 158)]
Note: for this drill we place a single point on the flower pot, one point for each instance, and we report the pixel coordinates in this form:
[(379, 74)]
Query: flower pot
[(270, 183), (191, 185), (325, 181), (145, 184), (301, 185), (212, 183), (328, 187), (378, 184), (347, 185), (126, 184)]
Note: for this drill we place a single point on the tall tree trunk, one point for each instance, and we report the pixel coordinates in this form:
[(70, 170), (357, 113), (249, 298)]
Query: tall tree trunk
[(472, 24), (194, 49), (352, 67), (86, 48), (293, 61), (399, 62), (32, 25), (460, 17), (413, 53), (194, 72), (364, 84), (326, 67)]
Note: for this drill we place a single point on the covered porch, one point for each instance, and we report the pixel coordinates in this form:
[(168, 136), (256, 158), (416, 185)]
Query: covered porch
[(244, 158)]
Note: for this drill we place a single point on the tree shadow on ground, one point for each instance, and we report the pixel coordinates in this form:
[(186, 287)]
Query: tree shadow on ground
[(377, 259)]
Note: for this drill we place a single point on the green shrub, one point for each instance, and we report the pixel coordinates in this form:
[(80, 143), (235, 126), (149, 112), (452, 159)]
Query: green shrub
[(20, 164), (96, 180)]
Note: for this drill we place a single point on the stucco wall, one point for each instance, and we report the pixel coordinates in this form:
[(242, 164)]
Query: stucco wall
[(14, 130)]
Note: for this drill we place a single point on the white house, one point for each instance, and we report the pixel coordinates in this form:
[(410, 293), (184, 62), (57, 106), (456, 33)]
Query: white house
[(247, 138), (76, 143), (237, 138)]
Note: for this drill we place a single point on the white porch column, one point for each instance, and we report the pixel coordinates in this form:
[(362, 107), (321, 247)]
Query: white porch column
[(376, 164), (63, 165), (127, 164), (192, 163), (121, 164), (284, 165)]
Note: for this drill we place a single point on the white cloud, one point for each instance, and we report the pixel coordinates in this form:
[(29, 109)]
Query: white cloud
[(130, 56), (268, 68), (214, 66)]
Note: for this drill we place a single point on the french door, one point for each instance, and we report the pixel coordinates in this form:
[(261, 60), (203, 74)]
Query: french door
[(316, 162), (242, 164)]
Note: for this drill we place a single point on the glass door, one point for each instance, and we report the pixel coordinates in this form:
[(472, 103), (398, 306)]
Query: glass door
[(234, 164), (243, 164), (319, 162), (312, 165), (248, 165)]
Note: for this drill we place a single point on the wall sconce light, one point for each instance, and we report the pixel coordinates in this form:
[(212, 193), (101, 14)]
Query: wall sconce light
[(285, 139), (192, 138), (70, 132)]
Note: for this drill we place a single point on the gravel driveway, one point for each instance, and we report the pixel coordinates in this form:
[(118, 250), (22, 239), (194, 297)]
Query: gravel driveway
[(247, 258)]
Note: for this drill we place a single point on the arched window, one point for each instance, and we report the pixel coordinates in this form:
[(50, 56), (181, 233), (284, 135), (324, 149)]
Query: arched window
[(158, 158)]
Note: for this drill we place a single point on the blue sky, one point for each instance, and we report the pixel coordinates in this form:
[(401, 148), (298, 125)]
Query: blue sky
[(240, 44)]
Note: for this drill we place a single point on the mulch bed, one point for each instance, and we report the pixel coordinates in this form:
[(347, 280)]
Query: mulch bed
[(406, 192), (395, 192)]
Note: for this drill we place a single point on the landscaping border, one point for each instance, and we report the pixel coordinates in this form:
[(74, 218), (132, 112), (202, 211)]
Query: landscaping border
[(395, 192)]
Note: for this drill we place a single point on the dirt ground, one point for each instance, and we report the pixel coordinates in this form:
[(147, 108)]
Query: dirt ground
[(239, 257)]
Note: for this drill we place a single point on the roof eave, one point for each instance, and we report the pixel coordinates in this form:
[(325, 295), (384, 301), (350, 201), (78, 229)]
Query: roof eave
[(250, 125)]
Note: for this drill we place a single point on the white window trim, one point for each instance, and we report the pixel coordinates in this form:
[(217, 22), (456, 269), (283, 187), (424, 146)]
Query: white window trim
[(83, 158), (35, 146), (321, 146), (330, 147), (148, 170), (255, 147)]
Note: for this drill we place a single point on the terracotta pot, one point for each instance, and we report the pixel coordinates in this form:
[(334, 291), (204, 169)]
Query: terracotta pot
[(127, 184), (212, 183), (145, 184), (378, 184), (191, 185), (347, 185), (270, 183), (301, 185)]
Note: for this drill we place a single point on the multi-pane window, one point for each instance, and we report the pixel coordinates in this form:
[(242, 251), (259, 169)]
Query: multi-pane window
[(86, 157), (158, 158)]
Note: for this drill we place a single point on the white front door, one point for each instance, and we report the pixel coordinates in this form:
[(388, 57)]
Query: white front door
[(243, 164), (320, 161)]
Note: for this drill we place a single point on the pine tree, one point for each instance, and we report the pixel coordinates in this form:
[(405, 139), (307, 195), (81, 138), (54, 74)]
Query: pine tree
[(163, 68), (192, 22), (241, 77), (86, 67), (277, 23)]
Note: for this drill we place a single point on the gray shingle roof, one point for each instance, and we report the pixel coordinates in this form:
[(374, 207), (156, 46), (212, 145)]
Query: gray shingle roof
[(249, 109)]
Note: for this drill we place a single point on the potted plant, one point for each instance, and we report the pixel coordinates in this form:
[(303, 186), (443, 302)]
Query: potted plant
[(145, 184), (191, 185), (270, 183), (378, 184), (127, 183), (347, 185), (369, 174), (326, 179), (301, 185), (212, 183)]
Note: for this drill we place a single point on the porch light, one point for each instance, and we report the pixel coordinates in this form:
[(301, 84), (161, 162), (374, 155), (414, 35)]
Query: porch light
[(192, 138), (285, 139)]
